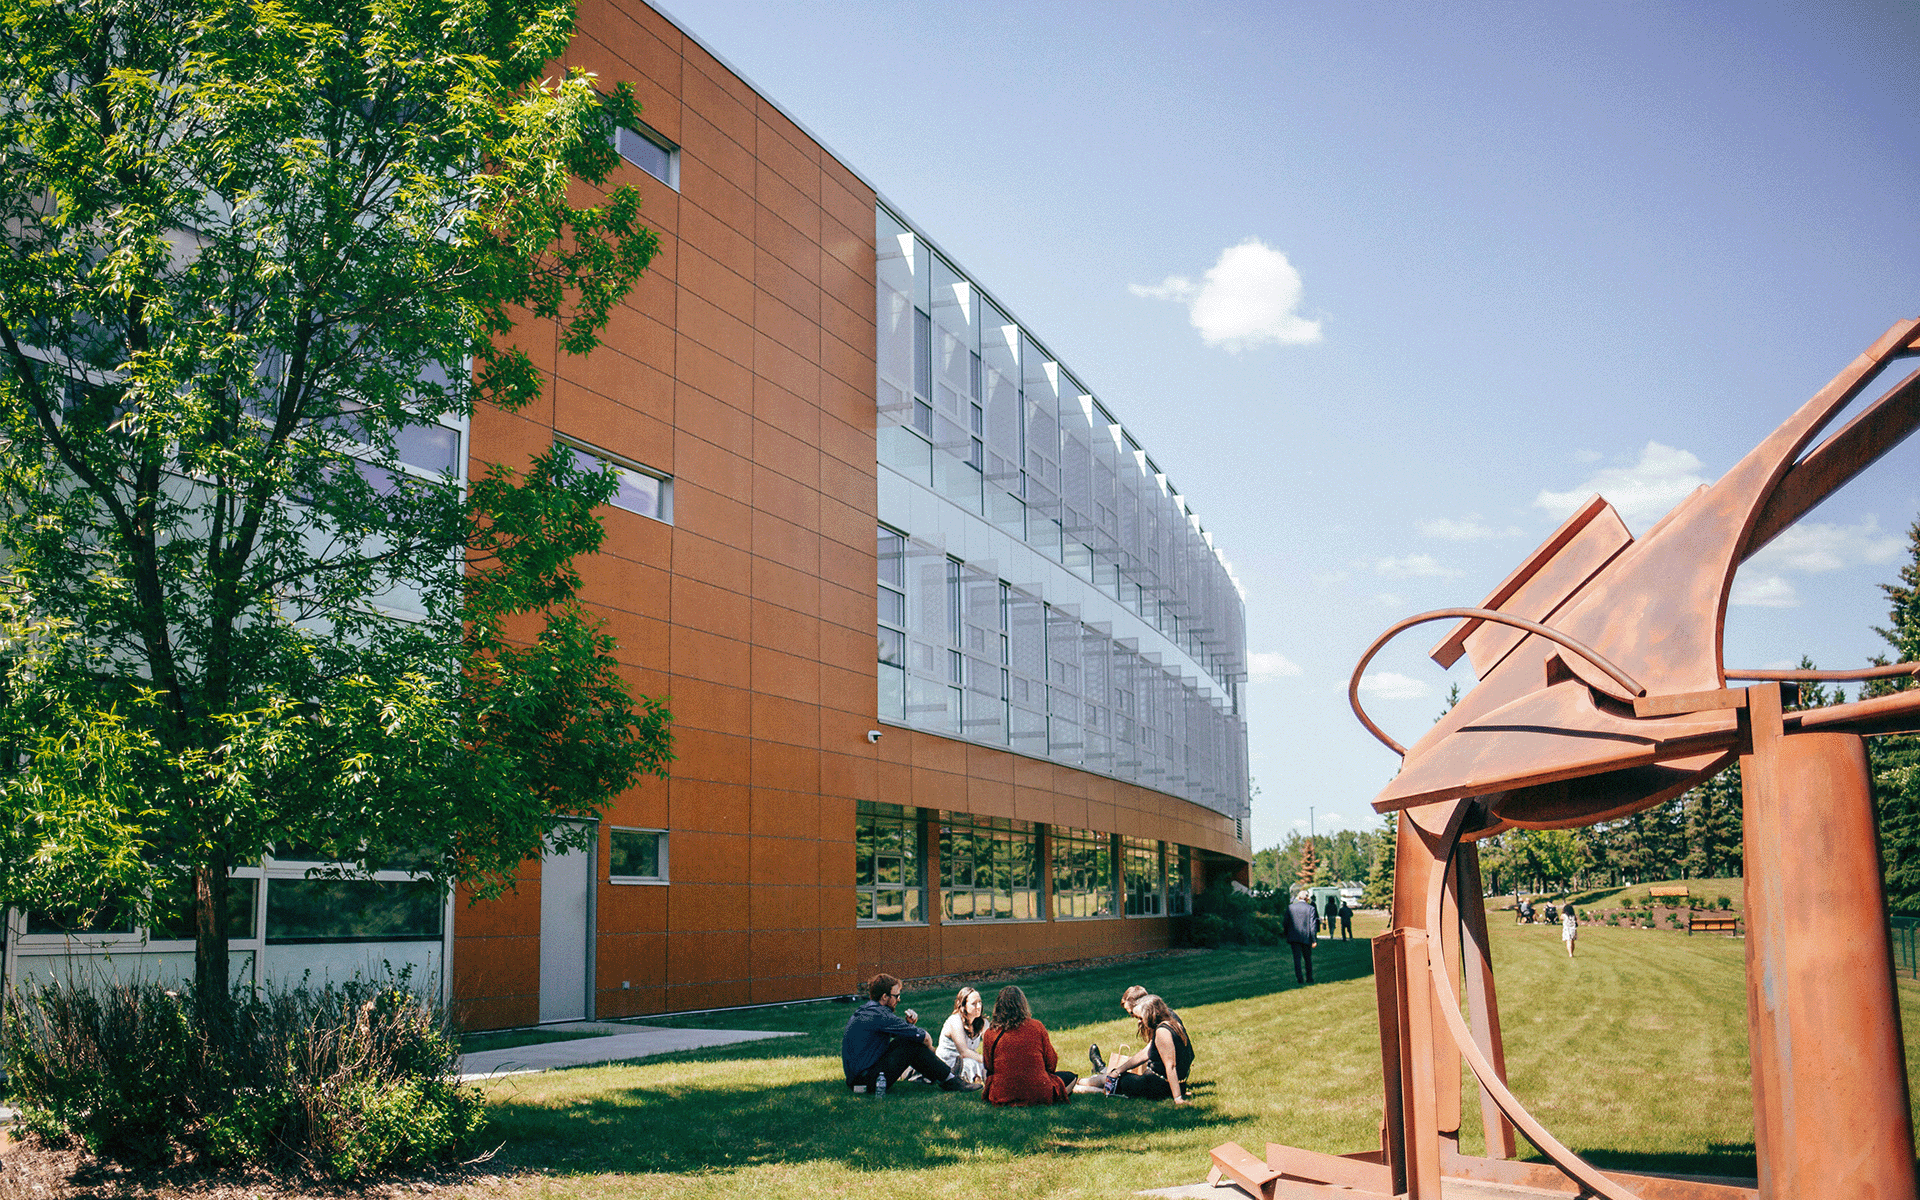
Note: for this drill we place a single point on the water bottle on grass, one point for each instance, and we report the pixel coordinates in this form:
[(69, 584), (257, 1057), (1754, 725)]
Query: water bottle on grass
[(880, 1086)]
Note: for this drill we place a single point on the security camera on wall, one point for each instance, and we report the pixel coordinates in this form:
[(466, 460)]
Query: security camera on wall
[(873, 735)]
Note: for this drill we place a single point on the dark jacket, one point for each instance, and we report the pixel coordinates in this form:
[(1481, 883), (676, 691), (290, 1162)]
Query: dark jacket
[(869, 1031), (1303, 922)]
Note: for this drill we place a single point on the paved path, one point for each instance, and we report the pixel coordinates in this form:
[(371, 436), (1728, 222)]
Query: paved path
[(624, 1042), (1450, 1189)]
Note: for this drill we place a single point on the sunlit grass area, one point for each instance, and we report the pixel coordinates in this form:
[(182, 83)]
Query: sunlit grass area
[(1634, 1053)]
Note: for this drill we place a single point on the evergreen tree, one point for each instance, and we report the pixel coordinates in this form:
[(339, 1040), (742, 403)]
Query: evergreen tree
[(1309, 864), (1379, 889), (1895, 760)]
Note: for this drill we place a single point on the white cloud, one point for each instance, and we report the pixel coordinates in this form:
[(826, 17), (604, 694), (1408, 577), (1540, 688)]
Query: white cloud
[(1326, 821), (1248, 297), (1389, 600), (1642, 493), (1814, 546), (1468, 529), (1811, 548), (1391, 685), (1414, 566), (1767, 591), (1265, 668)]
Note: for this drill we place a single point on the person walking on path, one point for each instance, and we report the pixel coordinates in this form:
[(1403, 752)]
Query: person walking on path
[(1333, 914), (1569, 928), (1346, 921), (1020, 1056), (1302, 932), (878, 1041)]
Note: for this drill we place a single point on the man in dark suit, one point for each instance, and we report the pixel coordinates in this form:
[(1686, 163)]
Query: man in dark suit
[(1303, 930)]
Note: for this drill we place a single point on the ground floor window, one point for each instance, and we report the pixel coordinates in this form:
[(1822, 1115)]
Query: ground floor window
[(347, 910), (1179, 881), (989, 868), (1083, 875), (889, 885), (1142, 859), (637, 856)]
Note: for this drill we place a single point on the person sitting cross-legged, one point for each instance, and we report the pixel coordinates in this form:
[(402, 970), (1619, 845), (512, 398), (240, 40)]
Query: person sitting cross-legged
[(1019, 1055), (1166, 1060), (879, 1041)]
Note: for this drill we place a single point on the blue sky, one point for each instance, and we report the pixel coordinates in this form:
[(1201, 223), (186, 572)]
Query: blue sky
[(1386, 289)]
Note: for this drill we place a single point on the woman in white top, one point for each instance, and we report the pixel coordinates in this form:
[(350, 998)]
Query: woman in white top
[(960, 1037), (1569, 928)]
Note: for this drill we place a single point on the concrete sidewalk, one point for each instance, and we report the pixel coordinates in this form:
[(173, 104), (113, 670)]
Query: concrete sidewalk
[(624, 1042)]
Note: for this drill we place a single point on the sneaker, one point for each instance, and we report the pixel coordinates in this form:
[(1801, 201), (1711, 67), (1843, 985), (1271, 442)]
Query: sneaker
[(1093, 1056), (956, 1084)]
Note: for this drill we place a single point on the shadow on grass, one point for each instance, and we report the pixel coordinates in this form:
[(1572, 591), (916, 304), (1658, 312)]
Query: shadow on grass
[(687, 1128), (1080, 997), (705, 1124), (1731, 1159)]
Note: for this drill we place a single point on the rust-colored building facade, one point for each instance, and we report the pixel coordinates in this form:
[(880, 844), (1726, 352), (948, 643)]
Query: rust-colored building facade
[(828, 802)]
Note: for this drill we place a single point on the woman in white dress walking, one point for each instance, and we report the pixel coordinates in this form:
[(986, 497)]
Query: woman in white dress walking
[(1569, 929)]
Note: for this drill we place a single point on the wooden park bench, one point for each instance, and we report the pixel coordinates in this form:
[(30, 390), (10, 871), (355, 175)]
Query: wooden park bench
[(1670, 890), (1721, 922)]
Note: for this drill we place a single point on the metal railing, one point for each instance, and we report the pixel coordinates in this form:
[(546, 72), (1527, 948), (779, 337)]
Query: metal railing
[(1906, 945)]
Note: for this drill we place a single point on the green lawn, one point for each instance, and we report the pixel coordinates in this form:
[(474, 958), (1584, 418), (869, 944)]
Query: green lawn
[(1634, 1053)]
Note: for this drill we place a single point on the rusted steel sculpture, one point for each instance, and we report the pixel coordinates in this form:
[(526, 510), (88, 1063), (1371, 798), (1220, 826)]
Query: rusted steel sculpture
[(1602, 692)]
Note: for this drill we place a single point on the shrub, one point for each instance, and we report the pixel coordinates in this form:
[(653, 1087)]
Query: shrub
[(1238, 919), (1723, 903), (339, 1081), (93, 1063), (1207, 930)]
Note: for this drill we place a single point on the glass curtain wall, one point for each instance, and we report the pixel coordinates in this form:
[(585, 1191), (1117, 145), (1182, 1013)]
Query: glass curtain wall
[(975, 409)]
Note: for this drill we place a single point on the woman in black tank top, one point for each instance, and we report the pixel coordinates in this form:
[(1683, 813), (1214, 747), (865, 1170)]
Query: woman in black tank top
[(1166, 1039)]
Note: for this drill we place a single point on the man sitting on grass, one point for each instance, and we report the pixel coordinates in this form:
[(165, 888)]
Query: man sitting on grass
[(880, 1042)]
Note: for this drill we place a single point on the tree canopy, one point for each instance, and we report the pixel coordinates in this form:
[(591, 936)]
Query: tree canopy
[(258, 263)]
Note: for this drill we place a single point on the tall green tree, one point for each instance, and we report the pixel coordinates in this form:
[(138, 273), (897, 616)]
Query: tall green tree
[(1378, 892), (1895, 760), (251, 255)]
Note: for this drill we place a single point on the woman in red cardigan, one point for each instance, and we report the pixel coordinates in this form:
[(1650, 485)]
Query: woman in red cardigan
[(1020, 1057)]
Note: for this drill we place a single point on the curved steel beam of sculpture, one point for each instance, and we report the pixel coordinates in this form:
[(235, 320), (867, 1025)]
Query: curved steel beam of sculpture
[(1890, 671), (1443, 975), (1485, 614)]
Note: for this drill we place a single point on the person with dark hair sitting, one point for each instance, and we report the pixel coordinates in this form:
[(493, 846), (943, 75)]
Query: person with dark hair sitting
[(1167, 1059), (878, 1041), (1020, 1057)]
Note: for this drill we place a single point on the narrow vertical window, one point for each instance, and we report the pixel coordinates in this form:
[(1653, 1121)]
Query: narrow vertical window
[(891, 598), (889, 887)]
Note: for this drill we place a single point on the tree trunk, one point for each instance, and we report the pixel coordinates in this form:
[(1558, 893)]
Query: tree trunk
[(210, 959)]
